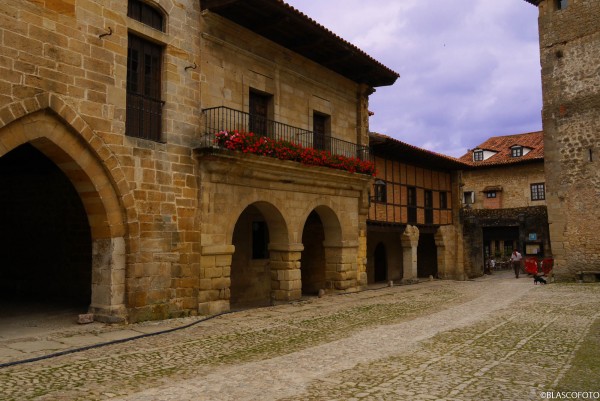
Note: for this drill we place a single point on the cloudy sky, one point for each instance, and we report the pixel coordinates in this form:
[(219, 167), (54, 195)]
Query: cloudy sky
[(469, 69)]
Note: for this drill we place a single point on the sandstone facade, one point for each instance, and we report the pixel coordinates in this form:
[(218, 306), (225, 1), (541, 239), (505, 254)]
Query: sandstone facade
[(504, 200), (168, 223)]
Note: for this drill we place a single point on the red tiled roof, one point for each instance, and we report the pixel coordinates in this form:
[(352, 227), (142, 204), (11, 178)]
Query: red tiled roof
[(385, 146), (502, 145), (534, 2)]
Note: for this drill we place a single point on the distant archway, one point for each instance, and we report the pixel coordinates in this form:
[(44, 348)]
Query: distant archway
[(312, 263), (380, 257), (427, 256), (251, 281), (322, 241)]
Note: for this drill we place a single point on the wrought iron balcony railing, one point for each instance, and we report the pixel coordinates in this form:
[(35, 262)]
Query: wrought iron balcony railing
[(219, 119)]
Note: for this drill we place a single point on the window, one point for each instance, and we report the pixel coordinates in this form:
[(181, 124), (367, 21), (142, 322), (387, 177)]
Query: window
[(516, 151), (412, 204), (144, 65), (478, 155), (260, 240), (491, 194), (443, 200), (145, 14), (144, 106), (380, 191), (321, 131), (468, 197), (428, 207), (259, 113), (538, 191), (561, 4)]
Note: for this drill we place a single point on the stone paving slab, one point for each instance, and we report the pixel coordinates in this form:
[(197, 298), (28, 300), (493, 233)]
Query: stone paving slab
[(494, 338)]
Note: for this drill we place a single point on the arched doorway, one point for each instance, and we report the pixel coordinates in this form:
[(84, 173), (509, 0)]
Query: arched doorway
[(256, 228), (45, 238), (380, 259), (312, 262), (60, 149)]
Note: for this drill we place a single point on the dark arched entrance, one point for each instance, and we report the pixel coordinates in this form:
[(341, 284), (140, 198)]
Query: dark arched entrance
[(45, 238), (380, 257), (312, 263), (250, 272), (427, 256)]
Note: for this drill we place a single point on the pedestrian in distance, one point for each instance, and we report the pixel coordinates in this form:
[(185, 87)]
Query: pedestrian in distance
[(515, 260)]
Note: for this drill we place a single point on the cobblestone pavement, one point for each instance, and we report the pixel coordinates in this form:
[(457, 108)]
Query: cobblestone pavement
[(494, 338)]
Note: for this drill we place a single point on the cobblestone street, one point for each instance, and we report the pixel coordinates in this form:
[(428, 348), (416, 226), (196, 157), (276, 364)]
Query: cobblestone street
[(494, 338)]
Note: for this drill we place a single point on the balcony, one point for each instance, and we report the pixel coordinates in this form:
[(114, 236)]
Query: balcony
[(218, 119)]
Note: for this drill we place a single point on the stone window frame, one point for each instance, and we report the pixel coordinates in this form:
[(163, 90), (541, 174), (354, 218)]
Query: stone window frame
[(468, 197), (538, 191), (146, 30), (561, 4)]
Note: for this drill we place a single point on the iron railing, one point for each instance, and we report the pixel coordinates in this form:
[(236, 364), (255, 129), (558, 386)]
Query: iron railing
[(219, 119), (144, 117)]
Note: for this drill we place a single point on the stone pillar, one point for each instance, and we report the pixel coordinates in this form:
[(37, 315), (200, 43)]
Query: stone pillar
[(215, 279), (108, 280), (361, 279), (286, 278), (410, 241), (446, 241), (341, 269)]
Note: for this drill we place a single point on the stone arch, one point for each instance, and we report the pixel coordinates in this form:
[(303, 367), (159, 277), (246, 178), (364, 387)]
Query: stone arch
[(278, 226), (263, 260), (56, 130), (332, 225), (339, 252)]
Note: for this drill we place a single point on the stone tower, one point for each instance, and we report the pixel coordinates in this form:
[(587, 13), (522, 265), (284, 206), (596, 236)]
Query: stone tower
[(570, 60)]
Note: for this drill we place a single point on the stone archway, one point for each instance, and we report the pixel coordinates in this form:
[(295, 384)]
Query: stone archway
[(250, 269), (57, 132), (338, 266), (312, 263)]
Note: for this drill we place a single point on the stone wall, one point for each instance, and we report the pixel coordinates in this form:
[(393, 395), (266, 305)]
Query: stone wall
[(515, 181), (236, 61), (570, 55), (63, 75)]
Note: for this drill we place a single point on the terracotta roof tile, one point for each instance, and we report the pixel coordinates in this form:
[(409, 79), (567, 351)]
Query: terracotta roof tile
[(386, 146), (502, 145)]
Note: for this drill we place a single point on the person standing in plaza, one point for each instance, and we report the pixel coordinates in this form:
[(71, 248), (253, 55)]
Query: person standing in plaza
[(515, 260)]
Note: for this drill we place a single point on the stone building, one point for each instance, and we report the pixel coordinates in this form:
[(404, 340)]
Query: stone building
[(570, 55), (116, 190), (504, 199), (413, 226)]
